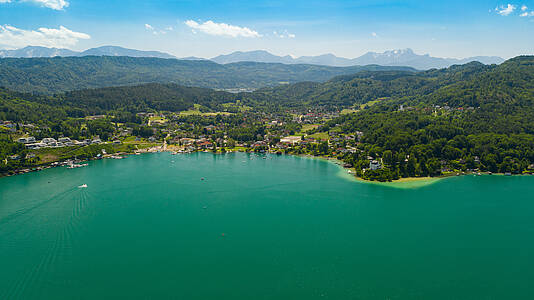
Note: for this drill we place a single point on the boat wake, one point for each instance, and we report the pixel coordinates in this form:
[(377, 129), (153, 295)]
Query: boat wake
[(58, 248)]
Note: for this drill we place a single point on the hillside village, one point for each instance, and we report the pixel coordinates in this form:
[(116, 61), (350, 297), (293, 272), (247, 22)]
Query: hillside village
[(292, 132), (279, 134)]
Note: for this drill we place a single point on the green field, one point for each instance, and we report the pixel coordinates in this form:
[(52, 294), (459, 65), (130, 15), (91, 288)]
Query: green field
[(307, 127), (196, 111), (320, 136), (157, 120), (347, 111)]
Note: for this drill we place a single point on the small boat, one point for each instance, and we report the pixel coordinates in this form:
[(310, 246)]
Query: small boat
[(204, 207), (83, 186)]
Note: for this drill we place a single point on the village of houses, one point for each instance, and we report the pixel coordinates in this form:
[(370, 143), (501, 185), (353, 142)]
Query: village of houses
[(32, 143), (276, 140), (174, 134)]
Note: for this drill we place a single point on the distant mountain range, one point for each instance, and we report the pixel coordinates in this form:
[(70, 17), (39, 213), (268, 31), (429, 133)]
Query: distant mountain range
[(49, 75), (405, 57), (36, 51)]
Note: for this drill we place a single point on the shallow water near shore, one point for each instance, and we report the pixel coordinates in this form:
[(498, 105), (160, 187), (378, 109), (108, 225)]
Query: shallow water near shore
[(241, 226)]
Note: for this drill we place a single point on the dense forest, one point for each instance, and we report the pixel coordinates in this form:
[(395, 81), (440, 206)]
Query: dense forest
[(61, 74), (153, 96), (114, 100), (366, 86)]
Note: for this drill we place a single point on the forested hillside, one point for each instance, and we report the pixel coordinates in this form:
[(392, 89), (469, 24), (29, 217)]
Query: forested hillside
[(365, 86), (152, 96), (61, 74), (26, 107), (469, 117), (506, 89)]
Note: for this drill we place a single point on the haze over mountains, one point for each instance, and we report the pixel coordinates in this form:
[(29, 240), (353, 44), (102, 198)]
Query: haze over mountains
[(36, 51), (405, 57)]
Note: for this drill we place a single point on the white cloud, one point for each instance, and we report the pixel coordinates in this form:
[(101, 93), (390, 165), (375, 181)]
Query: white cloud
[(53, 4), (505, 10), (155, 31), (526, 13), (47, 37), (222, 29), (374, 34), (285, 34)]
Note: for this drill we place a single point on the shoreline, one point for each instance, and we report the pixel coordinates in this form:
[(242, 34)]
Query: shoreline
[(405, 183), (346, 173), (349, 173)]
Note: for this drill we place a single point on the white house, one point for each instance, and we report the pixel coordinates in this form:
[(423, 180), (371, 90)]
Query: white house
[(36, 146), (27, 140), (49, 141), (291, 140), (374, 165)]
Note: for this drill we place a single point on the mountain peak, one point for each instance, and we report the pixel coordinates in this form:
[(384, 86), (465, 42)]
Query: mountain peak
[(407, 57), (37, 51), (400, 51), (254, 56), (120, 51)]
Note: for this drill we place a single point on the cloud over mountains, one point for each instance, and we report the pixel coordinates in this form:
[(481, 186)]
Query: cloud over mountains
[(61, 37), (221, 29)]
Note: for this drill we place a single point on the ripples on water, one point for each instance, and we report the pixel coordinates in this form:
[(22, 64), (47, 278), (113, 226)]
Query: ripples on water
[(55, 232)]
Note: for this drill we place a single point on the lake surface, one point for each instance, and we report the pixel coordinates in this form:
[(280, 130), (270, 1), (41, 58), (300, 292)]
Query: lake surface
[(148, 227)]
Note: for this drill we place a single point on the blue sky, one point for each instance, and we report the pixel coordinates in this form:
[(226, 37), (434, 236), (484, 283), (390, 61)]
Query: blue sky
[(208, 28)]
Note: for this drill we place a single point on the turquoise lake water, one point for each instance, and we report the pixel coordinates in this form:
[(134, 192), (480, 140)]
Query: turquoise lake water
[(284, 227)]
